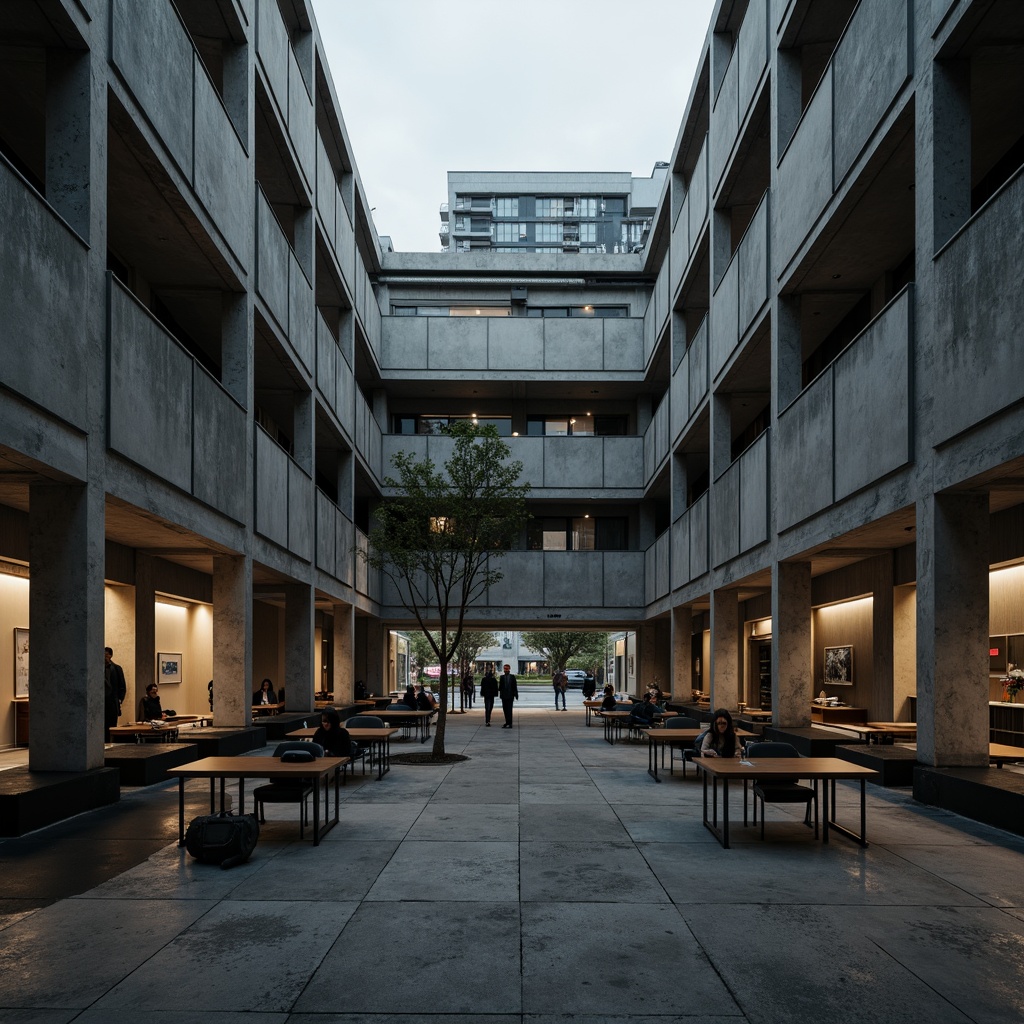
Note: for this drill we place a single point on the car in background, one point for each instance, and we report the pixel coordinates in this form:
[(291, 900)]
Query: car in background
[(577, 677)]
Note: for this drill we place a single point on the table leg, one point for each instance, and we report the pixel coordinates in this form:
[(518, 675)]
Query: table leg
[(827, 811), (181, 810), (316, 810), (725, 812), (652, 760), (863, 815), (213, 796)]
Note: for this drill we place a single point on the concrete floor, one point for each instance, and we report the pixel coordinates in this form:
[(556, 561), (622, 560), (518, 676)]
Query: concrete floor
[(546, 879)]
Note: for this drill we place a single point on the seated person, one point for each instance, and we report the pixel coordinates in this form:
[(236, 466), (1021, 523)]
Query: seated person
[(332, 736), (644, 713), (410, 696), (721, 739), (609, 703), (360, 690), (149, 706), (265, 694), (424, 701)]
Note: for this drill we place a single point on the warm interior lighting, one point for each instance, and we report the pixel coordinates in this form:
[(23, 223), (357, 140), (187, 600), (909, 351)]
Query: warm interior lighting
[(438, 524), (515, 433)]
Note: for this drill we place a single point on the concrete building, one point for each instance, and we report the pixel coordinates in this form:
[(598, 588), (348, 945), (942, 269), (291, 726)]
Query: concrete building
[(793, 422), (552, 211)]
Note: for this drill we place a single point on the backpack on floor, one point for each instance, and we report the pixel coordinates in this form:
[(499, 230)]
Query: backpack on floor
[(225, 839)]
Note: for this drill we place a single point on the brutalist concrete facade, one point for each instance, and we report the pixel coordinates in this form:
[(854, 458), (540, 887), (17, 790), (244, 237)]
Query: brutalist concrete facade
[(813, 369)]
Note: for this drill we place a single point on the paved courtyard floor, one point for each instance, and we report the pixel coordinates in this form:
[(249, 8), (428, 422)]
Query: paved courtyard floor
[(546, 879)]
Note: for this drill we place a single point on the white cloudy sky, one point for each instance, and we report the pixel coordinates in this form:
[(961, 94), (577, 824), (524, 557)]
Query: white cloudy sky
[(429, 86)]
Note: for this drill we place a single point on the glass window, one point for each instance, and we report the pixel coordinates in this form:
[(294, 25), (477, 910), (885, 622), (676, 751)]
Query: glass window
[(583, 534), (549, 207), (479, 311), (547, 535), (509, 232), (405, 424), (507, 207), (549, 232), (588, 208), (588, 232), (403, 310)]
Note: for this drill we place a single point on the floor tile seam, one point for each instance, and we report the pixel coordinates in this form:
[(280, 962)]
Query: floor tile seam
[(918, 977), (934, 874)]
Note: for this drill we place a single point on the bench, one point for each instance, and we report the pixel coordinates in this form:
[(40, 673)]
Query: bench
[(143, 764), (227, 742), (811, 741), (895, 765), (982, 794), (31, 800)]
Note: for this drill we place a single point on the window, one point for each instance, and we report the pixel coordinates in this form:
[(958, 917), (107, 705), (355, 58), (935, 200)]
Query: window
[(549, 208), (586, 208), (578, 533), (405, 423), (588, 232), (510, 232), (549, 232), (578, 424), (508, 207)]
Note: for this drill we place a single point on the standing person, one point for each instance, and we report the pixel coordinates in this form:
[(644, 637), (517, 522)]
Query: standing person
[(599, 678), (509, 692), (590, 686), (114, 691), (468, 688), (488, 690), (560, 683)]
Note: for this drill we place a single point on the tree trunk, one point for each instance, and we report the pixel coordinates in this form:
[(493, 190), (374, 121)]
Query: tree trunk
[(442, 712)]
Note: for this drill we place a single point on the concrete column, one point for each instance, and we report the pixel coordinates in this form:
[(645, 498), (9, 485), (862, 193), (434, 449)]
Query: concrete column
[(791, 644), (145, 625), (949, 165), (952, 629), (725, 649), (302, 430), (343, 646), (232, 640), (373, 656), (300, 658), (681, 674), (649, 666), (880, 705), (68, 172), (66, 552)]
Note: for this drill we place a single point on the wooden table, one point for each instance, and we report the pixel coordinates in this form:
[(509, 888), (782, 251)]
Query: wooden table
[(245, 767), (1000, 753), (141, 732), (828, 769), (267, 709), (594, 706), (664, 736), (422, 719), (379, 738), (823, 714), (754, 713)]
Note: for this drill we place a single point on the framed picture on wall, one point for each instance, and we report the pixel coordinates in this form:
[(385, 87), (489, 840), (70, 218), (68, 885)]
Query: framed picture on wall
[(168, 668), (839, 666), (20, 662)]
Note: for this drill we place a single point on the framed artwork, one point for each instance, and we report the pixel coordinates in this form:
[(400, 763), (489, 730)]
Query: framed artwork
[(168, 668), (839, 666), (20, 662)]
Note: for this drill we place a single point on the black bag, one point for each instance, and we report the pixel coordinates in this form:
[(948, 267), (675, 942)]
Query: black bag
[(223, 839), (298, 756)]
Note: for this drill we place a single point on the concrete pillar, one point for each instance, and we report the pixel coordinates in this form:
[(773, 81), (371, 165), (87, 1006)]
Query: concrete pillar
[(952, 629), (791, 644), (145, 625), (649, 667), (373, 656), (880, 702), (725, 649), (232, 640), (681, 674), (68, 171), (66, 552), (344, 647), (300, 657)]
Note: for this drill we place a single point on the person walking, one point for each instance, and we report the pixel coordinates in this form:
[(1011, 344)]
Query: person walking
[(560, 683), (509, 692), (488, 690)]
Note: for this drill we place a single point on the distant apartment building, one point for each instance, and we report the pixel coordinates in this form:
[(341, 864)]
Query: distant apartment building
[(549, 211)]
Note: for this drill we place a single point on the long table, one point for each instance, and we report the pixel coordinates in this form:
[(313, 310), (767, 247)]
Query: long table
[(827, 769), (245, 767), (421, 718), (1000, 753), (379, 738), (664, 736)]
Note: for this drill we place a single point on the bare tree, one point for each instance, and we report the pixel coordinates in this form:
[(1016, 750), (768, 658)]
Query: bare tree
[(439, 534)]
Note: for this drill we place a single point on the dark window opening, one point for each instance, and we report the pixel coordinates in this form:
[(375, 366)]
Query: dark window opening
[(844, 332)]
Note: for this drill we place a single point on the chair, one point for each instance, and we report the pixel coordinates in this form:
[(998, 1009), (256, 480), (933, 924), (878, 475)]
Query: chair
[(781, 791), (691, 753), (406, 724), (364, 722), (678, 722), (287, 791)]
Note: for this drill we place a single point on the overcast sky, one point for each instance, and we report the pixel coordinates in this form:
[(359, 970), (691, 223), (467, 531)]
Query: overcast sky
[(431, 86)]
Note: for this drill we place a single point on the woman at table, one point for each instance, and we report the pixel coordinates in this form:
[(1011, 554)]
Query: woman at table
[(609, 703), (265, 694), (332, 736), (149, 707), (721, 740)]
